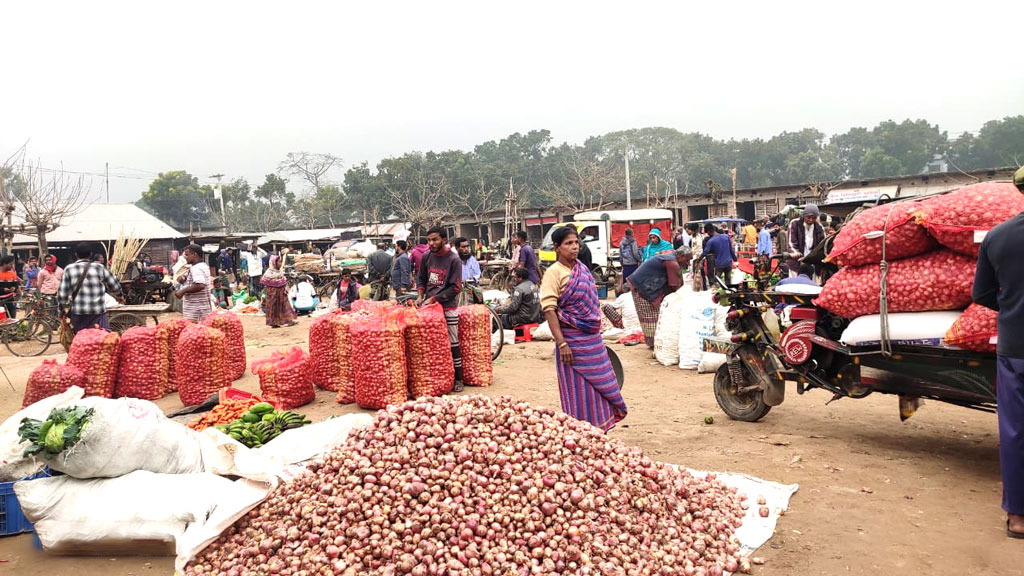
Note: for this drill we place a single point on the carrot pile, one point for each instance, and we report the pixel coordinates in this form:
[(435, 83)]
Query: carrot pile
[(226, 412)]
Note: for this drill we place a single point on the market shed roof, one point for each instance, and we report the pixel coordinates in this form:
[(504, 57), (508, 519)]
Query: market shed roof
[(104, 223)]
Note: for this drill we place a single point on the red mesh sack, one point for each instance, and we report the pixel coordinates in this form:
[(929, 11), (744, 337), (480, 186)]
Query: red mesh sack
[(50, 379), (974, 329), (344, 363), (428, 360), (323, 353), (475, 345), (372, 305), (284, 378), (171, 330), (378, 361), (954, 218), (143, 369), (231, 326), (95, 353), (939, 280), (201, 363), (904, 237)]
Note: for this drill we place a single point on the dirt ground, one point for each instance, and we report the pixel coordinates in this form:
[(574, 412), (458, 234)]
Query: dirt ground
[(876, 496)]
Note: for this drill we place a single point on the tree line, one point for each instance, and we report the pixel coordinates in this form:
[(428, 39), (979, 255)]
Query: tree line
[(309, 190)]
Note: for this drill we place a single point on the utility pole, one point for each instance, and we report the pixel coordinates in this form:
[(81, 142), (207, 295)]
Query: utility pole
[(106, 178), (219, 194), (629, 200), (735, 202)]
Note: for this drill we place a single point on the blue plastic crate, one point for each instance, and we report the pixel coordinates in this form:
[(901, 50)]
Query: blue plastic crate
[(12, 521)]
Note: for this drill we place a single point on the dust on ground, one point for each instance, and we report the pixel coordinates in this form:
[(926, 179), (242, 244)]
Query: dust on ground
[(877, 496)]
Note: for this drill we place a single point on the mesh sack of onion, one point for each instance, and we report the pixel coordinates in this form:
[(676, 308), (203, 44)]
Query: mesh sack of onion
[(903, 238), (49, 379), (430, 366), (475, 345), (323, 353), (234, 333), (376, 306), (974, 329), (284, 378), (95, 353), (939, 280), (954, 218), (477, 485), (378, 360), (201, 362), (172, 330), (143, 369)]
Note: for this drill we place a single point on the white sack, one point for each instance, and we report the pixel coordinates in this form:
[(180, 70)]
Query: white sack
[(613, 334), (710, 362), (630, 321), (139, 513), (698, 322), (14, 466), (128, 434), (804, 289), (666, 333), (928, 328), (542, 332), (499, 296)]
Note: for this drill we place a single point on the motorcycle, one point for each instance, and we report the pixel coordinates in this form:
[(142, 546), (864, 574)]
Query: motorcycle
[(761, 359)]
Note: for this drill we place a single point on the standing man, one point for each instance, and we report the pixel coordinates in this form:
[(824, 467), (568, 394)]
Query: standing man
[(31, 274), (629, 255), (440, 280), (681, 238), (10, 285), (719, 254), (82, 288), (764, 239), (999, 285), (401, 271), (804, 233), (378, 273), (470, 265), (49, 278), (656, 278), (254, 268), (226, 265), (527, 257), (195, 294)]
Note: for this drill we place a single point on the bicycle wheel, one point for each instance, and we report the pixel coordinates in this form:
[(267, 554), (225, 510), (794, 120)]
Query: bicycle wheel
[(497, 335), (28, 337)]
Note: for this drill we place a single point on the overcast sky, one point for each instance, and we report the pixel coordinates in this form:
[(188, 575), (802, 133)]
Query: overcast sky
[(231, 87)]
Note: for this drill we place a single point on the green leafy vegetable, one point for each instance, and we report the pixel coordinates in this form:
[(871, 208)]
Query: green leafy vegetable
[(61, 430)]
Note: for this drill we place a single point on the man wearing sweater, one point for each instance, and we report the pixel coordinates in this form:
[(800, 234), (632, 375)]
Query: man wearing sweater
[(999, 285)]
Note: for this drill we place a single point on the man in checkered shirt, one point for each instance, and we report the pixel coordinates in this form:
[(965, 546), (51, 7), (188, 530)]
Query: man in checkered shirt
[(88, 309)]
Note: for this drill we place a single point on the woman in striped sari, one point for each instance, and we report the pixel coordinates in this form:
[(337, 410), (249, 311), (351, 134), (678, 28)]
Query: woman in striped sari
[(586, 381)]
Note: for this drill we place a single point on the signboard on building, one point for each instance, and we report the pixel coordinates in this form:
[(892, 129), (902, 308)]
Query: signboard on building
[(869, 194)]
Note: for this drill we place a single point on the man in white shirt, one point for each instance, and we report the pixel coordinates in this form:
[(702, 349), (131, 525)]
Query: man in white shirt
[(303, 296), (254, 268)]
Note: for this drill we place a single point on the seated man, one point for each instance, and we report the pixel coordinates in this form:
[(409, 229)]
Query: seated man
[(303, 296), (524, 305)]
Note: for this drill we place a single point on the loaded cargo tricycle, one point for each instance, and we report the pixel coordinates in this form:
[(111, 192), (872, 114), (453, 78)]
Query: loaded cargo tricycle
[(761, 358)]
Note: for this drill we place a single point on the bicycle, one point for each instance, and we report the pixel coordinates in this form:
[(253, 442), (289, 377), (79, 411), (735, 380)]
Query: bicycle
[(32, 334)]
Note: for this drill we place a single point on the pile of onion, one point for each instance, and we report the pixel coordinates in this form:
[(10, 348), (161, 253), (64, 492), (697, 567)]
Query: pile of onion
[(472, 485)]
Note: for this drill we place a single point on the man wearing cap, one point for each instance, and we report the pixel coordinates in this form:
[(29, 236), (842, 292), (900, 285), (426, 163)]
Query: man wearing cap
[(804, 233), (999, 285)]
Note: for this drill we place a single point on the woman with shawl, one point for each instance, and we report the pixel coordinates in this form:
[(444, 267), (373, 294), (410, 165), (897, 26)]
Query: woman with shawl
[(276, 305), (586, 381), (655, 245)]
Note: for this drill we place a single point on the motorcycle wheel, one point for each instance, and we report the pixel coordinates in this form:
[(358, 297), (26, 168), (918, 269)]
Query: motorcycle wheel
[(748, 407)]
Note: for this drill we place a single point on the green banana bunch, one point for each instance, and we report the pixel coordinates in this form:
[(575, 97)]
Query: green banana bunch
[(262, 424)]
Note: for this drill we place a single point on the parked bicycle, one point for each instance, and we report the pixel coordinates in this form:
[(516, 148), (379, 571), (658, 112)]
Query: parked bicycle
[(33, 332)]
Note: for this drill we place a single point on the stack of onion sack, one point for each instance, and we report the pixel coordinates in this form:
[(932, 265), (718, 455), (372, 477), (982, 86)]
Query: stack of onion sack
[(475, 485), (330, 352), (231, 326), (95, 353), (201, 363), (430, 366), (954, 218), (378, 360), (475, 345), (376, 306), (143, 369), (49, 379), (904, 238), (974, 329), (345, 365), (172, 331), (284, 378)]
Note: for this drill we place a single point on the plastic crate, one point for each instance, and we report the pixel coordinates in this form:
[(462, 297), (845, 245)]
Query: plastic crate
[(12, 521)]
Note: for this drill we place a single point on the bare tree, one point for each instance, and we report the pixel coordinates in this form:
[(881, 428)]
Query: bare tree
[(49, 199), (421, 199), (479, 201), (312, 168), (586, 184), (10, 184)]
